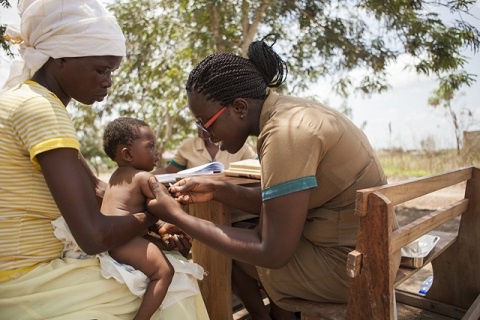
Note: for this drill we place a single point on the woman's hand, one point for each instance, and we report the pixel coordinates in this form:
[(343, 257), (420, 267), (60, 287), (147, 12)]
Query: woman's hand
[(193, 190)]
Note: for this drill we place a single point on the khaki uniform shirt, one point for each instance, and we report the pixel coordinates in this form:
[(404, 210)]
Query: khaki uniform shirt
[(192, 152)]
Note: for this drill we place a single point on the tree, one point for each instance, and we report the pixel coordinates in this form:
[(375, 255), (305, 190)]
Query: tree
[(460, 116), (89, 123), (350, 43), (149, 83), (3, 42), (318, 39)]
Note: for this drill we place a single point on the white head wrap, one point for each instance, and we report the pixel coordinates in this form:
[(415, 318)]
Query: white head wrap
[(59, 29)]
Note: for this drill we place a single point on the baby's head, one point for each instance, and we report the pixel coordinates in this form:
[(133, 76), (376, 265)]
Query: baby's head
[(121, 132)]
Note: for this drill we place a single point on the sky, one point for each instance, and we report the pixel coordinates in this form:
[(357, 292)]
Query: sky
[(399, 118), (402, 117)]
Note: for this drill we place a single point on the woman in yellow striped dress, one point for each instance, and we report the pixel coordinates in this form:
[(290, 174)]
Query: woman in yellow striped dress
[(68, 51)]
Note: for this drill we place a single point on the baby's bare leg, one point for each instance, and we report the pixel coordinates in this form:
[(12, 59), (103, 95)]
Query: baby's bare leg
[(148, 258)]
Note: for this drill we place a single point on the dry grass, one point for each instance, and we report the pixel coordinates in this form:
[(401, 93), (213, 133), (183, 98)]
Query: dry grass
[(406, 164)]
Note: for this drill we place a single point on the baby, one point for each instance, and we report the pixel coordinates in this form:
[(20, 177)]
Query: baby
[(131, 143)]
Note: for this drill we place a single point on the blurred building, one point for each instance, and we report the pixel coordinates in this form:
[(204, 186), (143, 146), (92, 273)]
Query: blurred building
[(471, 145)]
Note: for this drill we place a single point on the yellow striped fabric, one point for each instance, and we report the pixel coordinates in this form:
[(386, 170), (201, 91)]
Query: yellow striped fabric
[(32, 120)]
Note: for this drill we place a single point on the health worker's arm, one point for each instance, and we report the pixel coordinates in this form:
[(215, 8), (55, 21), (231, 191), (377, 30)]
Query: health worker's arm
[(271, 245)]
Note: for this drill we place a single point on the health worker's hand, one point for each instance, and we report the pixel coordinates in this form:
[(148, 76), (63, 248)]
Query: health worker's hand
[(193, 190)]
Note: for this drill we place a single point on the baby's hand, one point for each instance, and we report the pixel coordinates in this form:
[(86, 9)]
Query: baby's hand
[(179, 241), (171, 229)]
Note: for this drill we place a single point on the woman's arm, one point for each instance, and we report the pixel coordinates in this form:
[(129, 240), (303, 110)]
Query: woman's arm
[(75, 195), (98, 184), (271, 245)]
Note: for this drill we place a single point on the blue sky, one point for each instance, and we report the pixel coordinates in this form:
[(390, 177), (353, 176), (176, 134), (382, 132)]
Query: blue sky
[(404, 108)]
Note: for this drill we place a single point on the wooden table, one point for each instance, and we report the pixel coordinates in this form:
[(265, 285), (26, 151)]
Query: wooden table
[(216, 287)]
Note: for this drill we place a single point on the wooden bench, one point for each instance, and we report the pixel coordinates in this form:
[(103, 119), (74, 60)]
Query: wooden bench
[(455, 260)]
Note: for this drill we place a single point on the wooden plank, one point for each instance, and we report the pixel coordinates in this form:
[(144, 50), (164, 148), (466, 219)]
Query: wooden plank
[(423, 303), (216, 286), (371, 292), (407, 312), (473, 313), (404, 191), (313, 309), (354, 263), (414, 230)]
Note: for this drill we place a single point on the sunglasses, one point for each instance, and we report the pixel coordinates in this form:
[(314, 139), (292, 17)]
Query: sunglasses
[(209, 123)]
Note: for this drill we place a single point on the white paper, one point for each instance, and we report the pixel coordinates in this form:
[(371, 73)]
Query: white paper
[(209, 168)]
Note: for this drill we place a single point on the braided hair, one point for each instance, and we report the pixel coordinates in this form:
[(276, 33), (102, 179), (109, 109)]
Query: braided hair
[(223, 77), (123, 130)]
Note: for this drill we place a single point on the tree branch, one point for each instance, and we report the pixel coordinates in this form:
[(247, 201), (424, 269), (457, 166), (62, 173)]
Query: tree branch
[(215, 23), (250, 29)]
